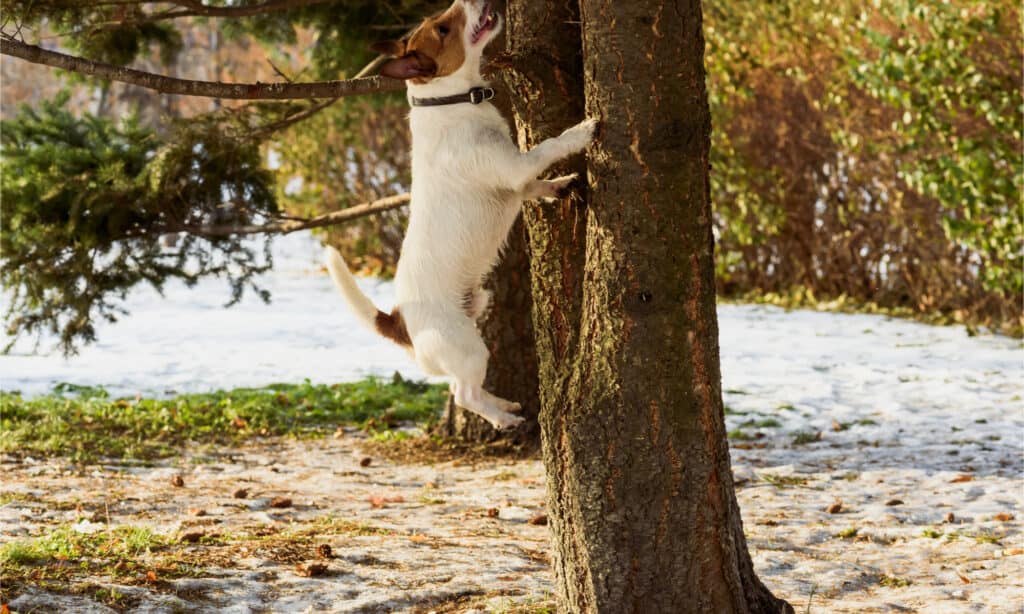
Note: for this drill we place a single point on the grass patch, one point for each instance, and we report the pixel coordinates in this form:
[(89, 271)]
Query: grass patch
[(84, 423), (932, 533), (66, 544), (783, 481), (763, 423), (805, 437), (987, 538), (893, 581), (848, 533), (741, 435)]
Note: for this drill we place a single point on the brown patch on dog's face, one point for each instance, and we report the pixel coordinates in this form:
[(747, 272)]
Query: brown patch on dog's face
[(436, 49)]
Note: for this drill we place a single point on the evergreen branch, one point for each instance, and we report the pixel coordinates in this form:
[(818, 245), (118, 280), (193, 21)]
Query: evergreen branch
[(208, 89), (286, 227)]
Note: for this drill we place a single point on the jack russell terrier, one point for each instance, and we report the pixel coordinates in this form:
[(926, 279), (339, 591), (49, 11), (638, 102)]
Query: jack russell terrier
[(469, 181)]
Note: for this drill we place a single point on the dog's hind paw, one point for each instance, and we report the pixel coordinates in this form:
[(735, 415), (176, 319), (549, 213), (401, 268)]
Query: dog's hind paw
[(506, 421)]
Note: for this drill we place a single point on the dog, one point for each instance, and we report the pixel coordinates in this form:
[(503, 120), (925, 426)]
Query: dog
[(469, 181)]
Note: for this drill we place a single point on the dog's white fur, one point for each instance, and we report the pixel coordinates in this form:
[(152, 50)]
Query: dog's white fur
[(469, 183)]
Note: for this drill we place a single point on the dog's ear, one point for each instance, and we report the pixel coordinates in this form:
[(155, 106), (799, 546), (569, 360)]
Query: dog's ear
[(410, 66), (392, 49)]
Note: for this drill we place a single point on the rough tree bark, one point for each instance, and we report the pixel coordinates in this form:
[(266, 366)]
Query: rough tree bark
[(640, 493)]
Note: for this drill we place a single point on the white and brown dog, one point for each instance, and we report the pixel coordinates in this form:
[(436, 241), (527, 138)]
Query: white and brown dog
[(469, 181)]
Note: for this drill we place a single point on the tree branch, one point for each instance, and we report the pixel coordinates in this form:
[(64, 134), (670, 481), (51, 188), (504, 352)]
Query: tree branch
[(198, 9), (208, 89), (330, 219)]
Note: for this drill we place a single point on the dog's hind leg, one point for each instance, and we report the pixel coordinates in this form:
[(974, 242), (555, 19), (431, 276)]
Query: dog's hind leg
[(462, 355)]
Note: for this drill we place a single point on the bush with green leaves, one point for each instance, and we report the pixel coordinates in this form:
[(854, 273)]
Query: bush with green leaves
[(870, 151)]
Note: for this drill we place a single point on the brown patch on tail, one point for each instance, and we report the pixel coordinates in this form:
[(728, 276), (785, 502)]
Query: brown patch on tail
[(392, 326)]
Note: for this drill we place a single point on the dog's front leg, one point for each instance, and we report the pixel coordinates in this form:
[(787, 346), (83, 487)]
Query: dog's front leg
[(548, 189), (525, 167)]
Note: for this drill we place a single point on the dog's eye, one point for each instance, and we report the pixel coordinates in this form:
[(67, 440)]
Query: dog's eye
[(442, 30)]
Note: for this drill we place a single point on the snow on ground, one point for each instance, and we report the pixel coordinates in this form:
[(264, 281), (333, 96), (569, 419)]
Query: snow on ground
[(186, 341), (916, 432)]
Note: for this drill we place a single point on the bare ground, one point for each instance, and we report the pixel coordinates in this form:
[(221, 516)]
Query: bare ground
[(458, 536)]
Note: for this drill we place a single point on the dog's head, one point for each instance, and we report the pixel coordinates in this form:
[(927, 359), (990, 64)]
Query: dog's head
[(443, 43)]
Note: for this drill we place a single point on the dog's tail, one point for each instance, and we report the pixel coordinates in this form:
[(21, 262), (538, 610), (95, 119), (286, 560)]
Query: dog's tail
[(390, 325)]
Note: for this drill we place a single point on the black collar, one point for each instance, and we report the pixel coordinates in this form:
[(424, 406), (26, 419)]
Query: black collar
[(473, 96)]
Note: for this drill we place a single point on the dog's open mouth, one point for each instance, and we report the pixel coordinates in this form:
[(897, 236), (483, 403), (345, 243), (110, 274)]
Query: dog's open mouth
[(487, 22)]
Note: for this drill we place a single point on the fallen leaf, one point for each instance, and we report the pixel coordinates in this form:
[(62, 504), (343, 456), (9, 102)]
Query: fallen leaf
[(192, 537), (4, 609), (835, 508), (379, 502), (1003, 517), (539, 519), (151, 576), (323, 551), (366, 461), (1013, 551), (195, 511), (963, 578), (280, 502), (892, 502), (239, 423), (177, 481), (962, 478), (492, 512), (241, 493), (312, 570), (950, 518), (419, 538)]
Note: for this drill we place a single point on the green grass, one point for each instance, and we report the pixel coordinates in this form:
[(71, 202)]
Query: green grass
[(64, 543), (805, 437), (85, 424), (783, 481), (894, 582), (764, 423)]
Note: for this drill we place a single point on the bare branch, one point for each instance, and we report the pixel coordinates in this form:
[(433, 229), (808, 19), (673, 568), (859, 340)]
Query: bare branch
[(208, 89), (198, 9), (330, 219)]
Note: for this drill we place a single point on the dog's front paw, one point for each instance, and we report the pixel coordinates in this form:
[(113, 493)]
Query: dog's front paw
[(559, 187), (581, 135)]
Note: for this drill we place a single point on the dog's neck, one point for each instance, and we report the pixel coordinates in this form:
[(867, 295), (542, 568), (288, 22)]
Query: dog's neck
[(459, 82)]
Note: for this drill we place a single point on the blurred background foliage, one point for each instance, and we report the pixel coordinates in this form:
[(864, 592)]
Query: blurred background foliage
[(869, 153), (865, 155)]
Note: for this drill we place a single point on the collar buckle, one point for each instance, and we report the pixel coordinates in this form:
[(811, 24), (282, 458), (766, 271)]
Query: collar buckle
[(478, 95)]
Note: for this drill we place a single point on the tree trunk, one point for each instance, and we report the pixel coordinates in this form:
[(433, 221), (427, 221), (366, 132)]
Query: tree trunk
[(640, 491), (545, 82)]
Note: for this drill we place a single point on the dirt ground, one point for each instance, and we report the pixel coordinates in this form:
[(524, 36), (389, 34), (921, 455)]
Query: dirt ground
[(325, 526)]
